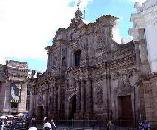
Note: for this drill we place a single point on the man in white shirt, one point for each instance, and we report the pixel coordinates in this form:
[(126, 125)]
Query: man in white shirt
[(47, 126)]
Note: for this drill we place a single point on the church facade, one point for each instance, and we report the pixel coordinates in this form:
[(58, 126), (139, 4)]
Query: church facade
[(89, 75)]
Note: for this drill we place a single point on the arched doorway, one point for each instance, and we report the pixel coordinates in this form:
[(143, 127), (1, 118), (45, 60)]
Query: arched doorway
[(72, 107)]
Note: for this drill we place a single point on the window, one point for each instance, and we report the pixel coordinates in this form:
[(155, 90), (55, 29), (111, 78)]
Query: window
[(77, 58)]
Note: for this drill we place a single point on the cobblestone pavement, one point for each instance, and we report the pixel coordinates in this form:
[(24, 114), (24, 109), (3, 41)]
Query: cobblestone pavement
[(91, 128), (67, 128)]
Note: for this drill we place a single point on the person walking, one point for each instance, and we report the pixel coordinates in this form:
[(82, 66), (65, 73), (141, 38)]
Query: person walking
[(45, 118), (47, 125), (33, 124), (140, 126), (53, 124), (2, 125), (33, 121), (109, 125), (146, 125), (32, 128)]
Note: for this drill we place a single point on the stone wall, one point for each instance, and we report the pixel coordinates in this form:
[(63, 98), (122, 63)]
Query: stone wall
[(149, 98)]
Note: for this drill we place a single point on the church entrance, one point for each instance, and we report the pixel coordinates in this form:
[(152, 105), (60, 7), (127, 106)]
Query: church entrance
[(40, 112), (125, 110), (72, 107)]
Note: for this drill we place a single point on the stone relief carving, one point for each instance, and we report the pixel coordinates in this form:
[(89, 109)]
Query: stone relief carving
[(66, 83), (40, 99), (99, 96), (124, 86)]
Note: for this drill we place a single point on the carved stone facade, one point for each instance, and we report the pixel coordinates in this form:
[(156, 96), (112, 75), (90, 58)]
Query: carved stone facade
[(13, 87), (89, 75)]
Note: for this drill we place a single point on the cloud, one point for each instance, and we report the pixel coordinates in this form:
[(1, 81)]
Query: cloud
[(27, 26), (116, 34), (140, 1)]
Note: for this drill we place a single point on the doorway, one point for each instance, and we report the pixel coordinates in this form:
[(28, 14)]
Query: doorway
[(72, 107), (125, 111), (40, 112)]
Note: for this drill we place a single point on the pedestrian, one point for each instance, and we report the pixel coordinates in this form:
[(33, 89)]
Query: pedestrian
[(109, 125), (140, 126), (2, 125), (47, 125), (32, 128), (53, 124), (33, 121), (33, 124), (27, 122), (146, 125)]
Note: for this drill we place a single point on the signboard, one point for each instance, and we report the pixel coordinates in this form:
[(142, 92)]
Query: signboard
[(15, 93)]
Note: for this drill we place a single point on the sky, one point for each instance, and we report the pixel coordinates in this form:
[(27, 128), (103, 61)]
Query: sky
[(28, 26)]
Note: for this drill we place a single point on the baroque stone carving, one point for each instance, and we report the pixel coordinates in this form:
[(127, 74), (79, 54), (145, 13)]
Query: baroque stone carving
[(99, 96), (90, 74)]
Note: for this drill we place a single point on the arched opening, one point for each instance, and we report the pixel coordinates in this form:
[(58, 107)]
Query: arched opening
[(72, 107), (77, 57)]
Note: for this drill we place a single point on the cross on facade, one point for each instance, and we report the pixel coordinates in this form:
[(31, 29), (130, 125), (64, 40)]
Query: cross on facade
[(78, 4)]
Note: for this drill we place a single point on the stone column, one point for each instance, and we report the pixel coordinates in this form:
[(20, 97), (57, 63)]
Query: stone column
[(78, 97), (88, 96), (52, 99), (145, 67), (71, 58), (59, 98), (22, 104), (55, 100), (82, 97), (31, 102), (6, 107), (49, 61), (68, 57)]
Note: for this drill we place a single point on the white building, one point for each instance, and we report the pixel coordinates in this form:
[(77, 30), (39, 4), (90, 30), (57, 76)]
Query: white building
[(145, 27), (13, 87)]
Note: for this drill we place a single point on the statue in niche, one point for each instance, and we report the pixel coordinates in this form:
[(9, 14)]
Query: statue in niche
[(54, 61), (15, 93)]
